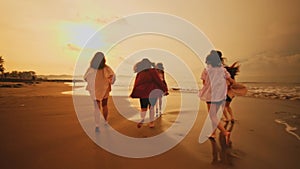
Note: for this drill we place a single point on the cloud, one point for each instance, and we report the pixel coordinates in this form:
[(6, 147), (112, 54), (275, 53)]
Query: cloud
[(73, 47), (96, 20), (277, 53), (283, 37), (272, 64), (105, 20)]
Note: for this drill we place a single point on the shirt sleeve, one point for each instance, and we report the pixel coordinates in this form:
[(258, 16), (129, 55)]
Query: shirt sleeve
[(203, 74), (109, 73), (86, 74)]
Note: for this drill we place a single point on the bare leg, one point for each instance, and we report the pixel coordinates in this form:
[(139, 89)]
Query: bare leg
[(223, 129), (160, 104), (156, 109), (229, 110), (225, 114), (143, 115), (97, 113), (105, 112), (212, 117), (151, 124), (104, 108), (212, 110), (215, 121), (208, 107)]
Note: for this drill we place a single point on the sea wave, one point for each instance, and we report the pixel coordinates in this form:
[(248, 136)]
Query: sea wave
[(282, 91), (291, 121)]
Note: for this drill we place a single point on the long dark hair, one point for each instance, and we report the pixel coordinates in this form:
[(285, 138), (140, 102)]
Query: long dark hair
[(98, 61), (233, 69)]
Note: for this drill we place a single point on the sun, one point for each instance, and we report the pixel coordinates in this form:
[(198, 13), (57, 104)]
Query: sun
[(75, 35)]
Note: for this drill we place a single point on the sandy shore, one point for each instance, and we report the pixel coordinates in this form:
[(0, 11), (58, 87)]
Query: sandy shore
[(40, 129)]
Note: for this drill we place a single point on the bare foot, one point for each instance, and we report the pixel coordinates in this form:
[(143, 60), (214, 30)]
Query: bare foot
[(151, 124), (140, 124)]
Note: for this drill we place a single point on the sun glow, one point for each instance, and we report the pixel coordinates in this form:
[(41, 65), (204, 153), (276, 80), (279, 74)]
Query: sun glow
[(74, 35)]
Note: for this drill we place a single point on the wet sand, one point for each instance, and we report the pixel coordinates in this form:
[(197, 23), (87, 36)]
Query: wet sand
[(40, 129)]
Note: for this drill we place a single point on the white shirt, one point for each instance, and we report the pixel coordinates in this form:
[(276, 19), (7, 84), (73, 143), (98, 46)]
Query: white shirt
[(99, 82), (214, 88)]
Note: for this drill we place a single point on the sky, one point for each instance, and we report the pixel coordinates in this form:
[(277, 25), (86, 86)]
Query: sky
[(48, 36)]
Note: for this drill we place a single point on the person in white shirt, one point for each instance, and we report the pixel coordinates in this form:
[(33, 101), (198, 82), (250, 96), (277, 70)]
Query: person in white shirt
[(214, 89), (99, 78)]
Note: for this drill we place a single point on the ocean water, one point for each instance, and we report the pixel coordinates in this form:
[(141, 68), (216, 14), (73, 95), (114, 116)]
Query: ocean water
[(264, 90), (288, 92), (282, 91)]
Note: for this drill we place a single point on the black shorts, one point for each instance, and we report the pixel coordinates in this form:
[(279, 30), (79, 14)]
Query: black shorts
[(217, 103), (147, 102), (228, 99)]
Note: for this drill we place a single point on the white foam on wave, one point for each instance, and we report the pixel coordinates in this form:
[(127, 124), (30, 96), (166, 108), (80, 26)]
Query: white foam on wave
[(288, 128), (274, 91)]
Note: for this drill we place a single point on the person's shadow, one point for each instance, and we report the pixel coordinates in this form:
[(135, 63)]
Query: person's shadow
[(223, 152)]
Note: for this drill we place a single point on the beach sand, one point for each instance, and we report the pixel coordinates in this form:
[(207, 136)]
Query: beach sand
[(39, 129)]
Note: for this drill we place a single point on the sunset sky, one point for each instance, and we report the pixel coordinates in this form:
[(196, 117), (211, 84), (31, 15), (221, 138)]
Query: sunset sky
[(47, 36)]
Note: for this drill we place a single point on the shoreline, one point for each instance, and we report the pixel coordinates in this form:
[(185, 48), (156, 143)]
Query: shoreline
[(38, 80), (289, 128), (40, 129)]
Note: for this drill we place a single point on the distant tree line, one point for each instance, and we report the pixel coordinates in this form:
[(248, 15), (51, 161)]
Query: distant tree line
[(2, 69), (28, 75), (24, 75)]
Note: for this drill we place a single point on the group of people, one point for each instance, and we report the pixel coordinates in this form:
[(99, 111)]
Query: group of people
[(219, 88), (150, 86)]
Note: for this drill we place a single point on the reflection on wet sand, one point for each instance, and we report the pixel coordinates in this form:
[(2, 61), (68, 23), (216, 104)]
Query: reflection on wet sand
[(223, 153)]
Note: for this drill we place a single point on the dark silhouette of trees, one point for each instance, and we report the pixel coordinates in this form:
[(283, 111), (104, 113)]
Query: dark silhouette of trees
[(2, 69), (16, 75), (27, 75)]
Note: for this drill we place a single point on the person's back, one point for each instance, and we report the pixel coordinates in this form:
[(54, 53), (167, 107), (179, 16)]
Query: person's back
[(99, 78), (146, 82), (214, 90), (215, 86), (147, 87), (145, 76)]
